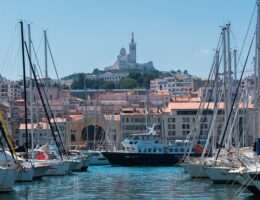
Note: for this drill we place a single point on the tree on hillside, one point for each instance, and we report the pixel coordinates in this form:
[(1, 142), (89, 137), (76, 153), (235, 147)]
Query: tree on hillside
[(96, 71), (127, 83)]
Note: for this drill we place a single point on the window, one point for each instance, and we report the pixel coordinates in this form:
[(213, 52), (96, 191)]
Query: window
[(203, 126), (149, 150), (171, 126), (185, 126), (185, 133), (186, 119), (171, 120), (171, 133), (154, 150)]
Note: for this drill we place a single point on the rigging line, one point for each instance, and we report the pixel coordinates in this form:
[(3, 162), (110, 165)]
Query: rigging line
[(196, 127), (7, 141), (49, 107), (39, 45), (53, 61), (198, 115), (236, 94), (246, 35), (50, 110), (11, 44), (42, 100), (37, 60)]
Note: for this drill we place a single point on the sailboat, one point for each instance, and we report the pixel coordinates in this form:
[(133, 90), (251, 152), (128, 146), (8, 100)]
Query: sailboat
[(195, 166), (54, 166), (25, 170)]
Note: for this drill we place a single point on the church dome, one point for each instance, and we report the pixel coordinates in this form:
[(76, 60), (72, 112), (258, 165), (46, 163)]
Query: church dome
[(122, 52)]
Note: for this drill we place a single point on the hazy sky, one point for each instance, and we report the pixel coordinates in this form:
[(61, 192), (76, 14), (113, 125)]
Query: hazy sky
[(85, 34)]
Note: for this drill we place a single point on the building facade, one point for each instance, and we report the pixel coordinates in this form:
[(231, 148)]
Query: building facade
[(176, 85), (178, 120), (41, 133), (10, 90)]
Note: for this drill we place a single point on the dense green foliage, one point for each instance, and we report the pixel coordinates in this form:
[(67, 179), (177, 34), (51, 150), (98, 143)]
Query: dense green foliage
[(135, 79)]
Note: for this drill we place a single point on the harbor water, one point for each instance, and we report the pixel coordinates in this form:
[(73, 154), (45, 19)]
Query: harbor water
[(106, 182)]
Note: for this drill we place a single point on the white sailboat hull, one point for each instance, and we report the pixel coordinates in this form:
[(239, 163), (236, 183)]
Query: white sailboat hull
[(220, 175), (195, 170), (97, 158), (56, 167), (40, 169), (75, 165)]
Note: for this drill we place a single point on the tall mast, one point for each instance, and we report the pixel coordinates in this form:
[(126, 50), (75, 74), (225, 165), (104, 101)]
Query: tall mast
[(31, 87), (235, 64), (24, 85), (45, 54), (258, 71), (226, 108), (229, 73), (229, 66)]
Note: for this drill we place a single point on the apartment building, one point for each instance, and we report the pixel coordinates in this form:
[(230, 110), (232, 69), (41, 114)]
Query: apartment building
[(177, 85), (178, 119), (41, 133), (10, 90)]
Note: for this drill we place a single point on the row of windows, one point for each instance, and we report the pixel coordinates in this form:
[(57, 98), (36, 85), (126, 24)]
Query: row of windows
[(185, 126), (134, 127), (171, 133), (171, 126), (149, 150), (137, 120)]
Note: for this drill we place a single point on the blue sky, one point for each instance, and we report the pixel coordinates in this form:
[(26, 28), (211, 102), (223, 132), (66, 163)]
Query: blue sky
[(85, 34)]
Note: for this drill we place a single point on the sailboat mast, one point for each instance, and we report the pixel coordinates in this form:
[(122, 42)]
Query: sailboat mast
[(235, 64), (258, 77), (229, 74), (24, 85), (225, 73), (31, 87), (45, 54)]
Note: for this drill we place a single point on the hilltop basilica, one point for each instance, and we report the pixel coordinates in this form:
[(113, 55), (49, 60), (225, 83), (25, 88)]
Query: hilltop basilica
[(127, 61)]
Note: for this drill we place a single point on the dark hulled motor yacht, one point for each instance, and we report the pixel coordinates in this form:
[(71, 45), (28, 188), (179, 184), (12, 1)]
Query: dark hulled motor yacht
[(147, 149)]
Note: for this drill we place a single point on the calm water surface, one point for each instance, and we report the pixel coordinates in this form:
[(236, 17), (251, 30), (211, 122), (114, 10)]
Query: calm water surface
[(120, 183)]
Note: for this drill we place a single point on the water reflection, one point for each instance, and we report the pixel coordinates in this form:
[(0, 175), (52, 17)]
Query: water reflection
[(123, 183)]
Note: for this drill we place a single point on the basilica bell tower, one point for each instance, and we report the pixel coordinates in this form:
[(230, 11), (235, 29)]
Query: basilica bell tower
[(132, 50)]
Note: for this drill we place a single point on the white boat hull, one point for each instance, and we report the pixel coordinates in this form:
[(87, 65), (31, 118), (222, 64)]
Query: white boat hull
[(7, 179), (221, 175), (195, 170), (57, 168), (40, 169), (75, 165), (98, 160)]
